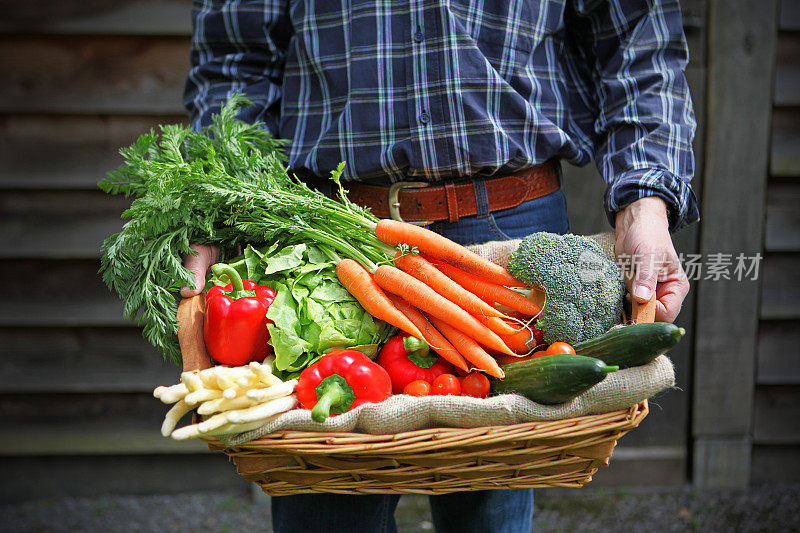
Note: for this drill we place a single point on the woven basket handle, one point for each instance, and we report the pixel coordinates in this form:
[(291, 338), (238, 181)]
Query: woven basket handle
[(190, 334)]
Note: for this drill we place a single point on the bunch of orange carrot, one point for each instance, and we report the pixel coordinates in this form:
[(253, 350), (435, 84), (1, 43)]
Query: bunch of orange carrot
[(440, 293)]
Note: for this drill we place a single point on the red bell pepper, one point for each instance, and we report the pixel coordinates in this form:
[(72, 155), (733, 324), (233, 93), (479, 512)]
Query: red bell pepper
[(235, 324), (340, 381), (408, 359)]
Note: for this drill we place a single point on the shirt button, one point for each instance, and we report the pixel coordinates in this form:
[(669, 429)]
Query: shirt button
[(424, 117), (418, 36)]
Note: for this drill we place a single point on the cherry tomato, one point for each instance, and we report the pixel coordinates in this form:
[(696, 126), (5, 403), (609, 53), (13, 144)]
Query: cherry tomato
[(419, 387), (538, 335), (539, 353), (446, 384), (559, 347), (476, 385)]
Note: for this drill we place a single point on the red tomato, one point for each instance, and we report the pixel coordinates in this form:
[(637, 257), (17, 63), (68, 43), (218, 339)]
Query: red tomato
[(538, 335), (475, 384), (446, 384), (419, 387), (559, 347)]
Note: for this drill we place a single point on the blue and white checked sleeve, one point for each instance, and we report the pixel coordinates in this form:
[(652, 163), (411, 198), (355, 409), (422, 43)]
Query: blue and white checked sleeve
[(237, 46), (636, 53)]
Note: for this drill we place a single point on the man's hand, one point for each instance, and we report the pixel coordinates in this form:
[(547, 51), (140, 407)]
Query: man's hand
[(643, 236), (199, 265)]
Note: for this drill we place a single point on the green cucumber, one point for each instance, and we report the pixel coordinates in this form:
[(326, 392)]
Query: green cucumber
[(551, 379), (633, 345)]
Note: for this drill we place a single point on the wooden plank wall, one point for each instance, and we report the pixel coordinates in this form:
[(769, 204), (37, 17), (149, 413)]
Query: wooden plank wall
[(776, 416), (741, 46), (81, 80)]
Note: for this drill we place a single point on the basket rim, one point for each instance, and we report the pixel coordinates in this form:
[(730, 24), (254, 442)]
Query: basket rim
[(438, 438)]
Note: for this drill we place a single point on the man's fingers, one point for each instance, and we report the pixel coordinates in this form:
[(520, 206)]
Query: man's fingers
[(188, 292), (642, 231), (645, 278), (667, 307), (198, 264), (671, 294)]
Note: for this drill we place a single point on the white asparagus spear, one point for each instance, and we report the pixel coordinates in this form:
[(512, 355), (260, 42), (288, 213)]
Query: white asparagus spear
[(173, 416), (214, 422), (224, 380), (234, 372), (247, 381), (230, 393), (263, 410), (228, 429), (186, 432), (276, 391), (171, 394), (192, 381), (241, 428), (209, 377), (223, 404), (265, 374), (191, 432), (202, 395)]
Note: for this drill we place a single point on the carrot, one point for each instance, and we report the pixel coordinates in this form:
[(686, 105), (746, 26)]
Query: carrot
[(434, 245), (424, 298), (499, 326), (470, 349), (490, 291), (360, 284), (423, 270), (521, 342), (435, 340)]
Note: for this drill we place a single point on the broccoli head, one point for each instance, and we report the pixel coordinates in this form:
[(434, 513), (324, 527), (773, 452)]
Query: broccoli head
[(584, 289)]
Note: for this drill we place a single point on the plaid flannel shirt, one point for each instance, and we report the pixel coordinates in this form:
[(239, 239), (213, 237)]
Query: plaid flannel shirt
[(448, 89)]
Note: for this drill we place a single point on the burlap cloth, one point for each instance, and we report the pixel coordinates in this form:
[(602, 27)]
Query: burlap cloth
[(400, 413)]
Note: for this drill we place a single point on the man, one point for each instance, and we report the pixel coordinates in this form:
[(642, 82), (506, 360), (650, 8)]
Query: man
[(480, 99)]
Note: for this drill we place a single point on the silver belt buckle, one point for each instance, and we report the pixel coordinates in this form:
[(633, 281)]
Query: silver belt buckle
[(394, 200)]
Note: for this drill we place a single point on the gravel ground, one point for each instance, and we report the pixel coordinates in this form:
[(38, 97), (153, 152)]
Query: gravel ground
[(769, 509)]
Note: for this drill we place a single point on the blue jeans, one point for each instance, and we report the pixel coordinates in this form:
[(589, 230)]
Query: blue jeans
[(548, 213), (489, 511)]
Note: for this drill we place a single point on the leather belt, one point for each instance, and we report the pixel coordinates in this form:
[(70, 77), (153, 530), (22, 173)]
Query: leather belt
[(450, 200)]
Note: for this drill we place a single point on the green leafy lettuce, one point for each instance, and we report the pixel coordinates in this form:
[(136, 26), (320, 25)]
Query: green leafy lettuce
[(312, 312)]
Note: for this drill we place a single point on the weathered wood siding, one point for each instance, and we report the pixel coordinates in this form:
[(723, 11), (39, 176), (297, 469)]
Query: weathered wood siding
[(776, 411), (741, 46)]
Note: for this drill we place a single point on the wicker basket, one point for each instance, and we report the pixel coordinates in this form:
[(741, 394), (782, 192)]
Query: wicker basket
[(561, 453)]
